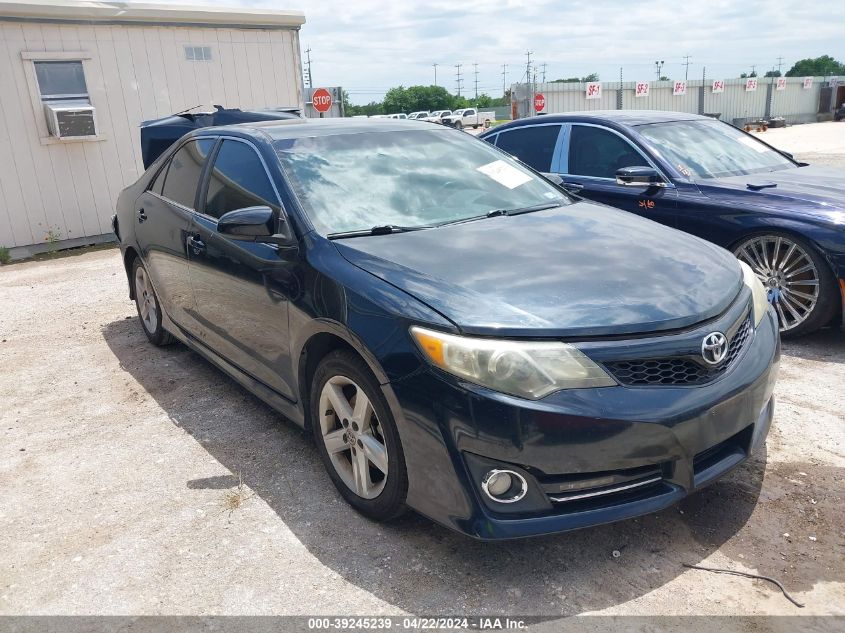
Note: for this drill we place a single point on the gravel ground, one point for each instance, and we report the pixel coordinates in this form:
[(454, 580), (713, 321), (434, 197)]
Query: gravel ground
[(138, 480)]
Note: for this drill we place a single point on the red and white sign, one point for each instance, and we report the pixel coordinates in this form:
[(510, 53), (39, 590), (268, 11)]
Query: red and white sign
[(751, 84), (539, 102), (679, 88), (593, 90), (321, 100), (808, 83), (718, 86), (781, 84), (642, 89)]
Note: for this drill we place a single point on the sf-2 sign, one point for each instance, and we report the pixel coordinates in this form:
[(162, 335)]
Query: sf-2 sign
[(321, 100)]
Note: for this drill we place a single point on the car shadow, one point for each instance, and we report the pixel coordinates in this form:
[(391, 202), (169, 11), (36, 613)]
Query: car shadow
[(827, 345), (413, 563)]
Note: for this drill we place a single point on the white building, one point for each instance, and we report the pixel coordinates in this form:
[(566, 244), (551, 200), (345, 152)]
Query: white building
[(61, 172)]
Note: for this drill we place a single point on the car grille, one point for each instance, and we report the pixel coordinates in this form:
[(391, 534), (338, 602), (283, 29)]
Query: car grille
[(677, 371)]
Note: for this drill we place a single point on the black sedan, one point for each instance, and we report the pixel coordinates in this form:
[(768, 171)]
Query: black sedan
[(783, 218), (459, 335)]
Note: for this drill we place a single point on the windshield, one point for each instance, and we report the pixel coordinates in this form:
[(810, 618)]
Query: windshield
[(711, 149), (353, 182)]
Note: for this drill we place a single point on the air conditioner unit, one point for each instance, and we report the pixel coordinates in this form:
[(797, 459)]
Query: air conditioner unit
[(71, 119)]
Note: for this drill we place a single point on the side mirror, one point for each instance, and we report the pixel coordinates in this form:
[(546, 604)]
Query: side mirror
[(554, 179), (256, 224), (247, 223), (639, 177)]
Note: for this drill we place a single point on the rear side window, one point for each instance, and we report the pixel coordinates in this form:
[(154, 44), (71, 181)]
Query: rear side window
[(183, 173), (238, 180), (597, 152), (534, 145), (158, 182)]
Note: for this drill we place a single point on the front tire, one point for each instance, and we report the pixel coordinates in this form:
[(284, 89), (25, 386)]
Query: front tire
[(797, 278), (148, 306), (458, 125), (357, 437)]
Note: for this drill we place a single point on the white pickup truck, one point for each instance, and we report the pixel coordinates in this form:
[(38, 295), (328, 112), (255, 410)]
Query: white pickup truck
[(469, 117)]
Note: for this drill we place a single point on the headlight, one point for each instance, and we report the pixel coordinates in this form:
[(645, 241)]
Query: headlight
[(525, 369), (759, 296)]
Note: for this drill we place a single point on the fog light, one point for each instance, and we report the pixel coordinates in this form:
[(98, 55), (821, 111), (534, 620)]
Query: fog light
[(504, 486)]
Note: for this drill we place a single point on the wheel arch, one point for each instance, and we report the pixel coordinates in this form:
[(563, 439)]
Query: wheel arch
[(129, 257), (323, 337)]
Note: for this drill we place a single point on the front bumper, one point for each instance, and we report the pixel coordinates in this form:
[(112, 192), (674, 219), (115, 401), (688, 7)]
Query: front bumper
[(576, 443)]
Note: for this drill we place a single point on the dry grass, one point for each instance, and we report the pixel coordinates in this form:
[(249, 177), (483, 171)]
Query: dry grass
[(234, 499)]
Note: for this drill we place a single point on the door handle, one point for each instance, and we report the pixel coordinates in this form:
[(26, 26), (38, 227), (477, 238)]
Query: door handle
[(196, 244), (142, 216), (573, 187)]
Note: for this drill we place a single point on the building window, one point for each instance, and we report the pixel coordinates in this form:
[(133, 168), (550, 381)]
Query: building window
[(61, 80), (198, 53)]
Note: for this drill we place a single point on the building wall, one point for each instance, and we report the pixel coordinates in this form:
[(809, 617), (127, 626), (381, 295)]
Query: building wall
[(795, 104), (66, 190)]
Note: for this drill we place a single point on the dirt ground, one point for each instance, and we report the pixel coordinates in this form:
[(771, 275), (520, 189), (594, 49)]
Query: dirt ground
[(119, 493)]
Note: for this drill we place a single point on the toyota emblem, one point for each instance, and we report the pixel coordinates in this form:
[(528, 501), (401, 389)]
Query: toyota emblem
[(714, 348)]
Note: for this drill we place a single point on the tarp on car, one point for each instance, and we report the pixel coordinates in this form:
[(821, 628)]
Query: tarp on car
[(159, 134)]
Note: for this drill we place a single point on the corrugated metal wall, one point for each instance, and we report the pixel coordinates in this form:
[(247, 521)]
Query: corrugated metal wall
[(69, 188), (794, 103)]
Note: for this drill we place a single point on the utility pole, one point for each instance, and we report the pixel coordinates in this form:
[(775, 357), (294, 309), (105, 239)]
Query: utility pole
[(435, 73), (459, 80), (475, 71), (504, 78), (686, 65), (308, 64), (753, 70), (543, 66), (780, 63), (529, 89), (658, 67)]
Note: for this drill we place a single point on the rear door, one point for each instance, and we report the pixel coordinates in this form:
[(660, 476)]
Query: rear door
[(242, 288), (592, 156), (163, 215)]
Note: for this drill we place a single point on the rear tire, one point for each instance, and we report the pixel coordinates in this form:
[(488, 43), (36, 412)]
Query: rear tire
[(801, 286), (356, 436), (148, 306)]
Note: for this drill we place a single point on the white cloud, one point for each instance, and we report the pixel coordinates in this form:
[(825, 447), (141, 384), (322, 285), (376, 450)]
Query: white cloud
[(368, 46)]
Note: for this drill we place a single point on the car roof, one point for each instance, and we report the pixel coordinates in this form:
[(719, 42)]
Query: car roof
[(621, 117), (302, 128)]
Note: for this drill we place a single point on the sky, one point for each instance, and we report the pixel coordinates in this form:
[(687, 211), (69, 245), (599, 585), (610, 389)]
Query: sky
[(368, 46)]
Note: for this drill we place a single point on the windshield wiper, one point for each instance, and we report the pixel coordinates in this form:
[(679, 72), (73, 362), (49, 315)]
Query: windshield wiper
[(497, 212), (383, 229)]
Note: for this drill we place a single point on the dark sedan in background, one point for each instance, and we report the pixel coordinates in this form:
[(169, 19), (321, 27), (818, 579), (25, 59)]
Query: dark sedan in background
[(459, 335), (785, 219)]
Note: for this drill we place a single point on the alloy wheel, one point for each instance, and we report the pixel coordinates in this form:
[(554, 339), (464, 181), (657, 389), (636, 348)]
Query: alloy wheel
[(353, 437), (147, 307), (787, 272)]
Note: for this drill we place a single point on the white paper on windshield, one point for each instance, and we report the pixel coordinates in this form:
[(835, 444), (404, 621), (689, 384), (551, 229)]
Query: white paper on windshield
[(758, 147), (504, 174)]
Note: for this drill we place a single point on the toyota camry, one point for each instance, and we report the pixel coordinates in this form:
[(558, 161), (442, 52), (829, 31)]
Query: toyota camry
[(460, 335)]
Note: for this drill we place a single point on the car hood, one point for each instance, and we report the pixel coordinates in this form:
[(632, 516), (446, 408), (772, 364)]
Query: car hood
[(578, 270), (813, 191)]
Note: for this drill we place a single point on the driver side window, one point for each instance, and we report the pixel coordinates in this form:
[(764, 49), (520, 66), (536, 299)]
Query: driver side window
[(599, 153), (238, 180)]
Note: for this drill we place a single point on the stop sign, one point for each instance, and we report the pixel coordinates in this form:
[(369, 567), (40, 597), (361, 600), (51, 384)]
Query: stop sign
[(321, 100), (539, 102)]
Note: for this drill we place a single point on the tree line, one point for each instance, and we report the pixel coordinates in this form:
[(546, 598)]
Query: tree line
[(421, 98)]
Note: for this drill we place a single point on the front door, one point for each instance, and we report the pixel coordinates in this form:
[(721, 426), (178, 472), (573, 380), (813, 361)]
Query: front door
[(589, 164), (163, 216), (242, 288)]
